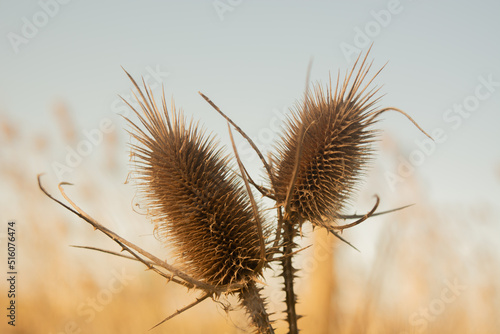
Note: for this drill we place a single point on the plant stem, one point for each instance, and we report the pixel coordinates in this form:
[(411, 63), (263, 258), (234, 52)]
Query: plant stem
[(289, 275), (256, 308)]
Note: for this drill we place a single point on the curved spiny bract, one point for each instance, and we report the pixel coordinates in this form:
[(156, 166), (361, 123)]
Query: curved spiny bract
[(335, 149), (196, 201)]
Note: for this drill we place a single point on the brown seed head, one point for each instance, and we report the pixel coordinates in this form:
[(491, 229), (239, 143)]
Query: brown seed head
[(334, 151), (196, 201)]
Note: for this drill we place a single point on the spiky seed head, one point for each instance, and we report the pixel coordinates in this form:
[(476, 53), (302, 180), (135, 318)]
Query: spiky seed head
[(196, 201), (335, 148)]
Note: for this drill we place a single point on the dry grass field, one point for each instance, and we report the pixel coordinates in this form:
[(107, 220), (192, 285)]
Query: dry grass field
[(431, 268)]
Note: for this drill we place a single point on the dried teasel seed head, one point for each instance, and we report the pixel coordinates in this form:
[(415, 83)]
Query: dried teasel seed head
[(335, 148), (197, 202)]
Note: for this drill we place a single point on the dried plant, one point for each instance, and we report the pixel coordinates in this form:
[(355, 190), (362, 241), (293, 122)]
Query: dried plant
[(198, 204), (323, 153), (205, 211)]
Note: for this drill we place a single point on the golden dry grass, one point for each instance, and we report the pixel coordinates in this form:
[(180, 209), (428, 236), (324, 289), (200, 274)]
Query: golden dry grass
[(340, 291)]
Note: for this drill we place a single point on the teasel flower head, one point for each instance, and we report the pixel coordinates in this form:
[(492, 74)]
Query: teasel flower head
[(326, 147), (198, 204)]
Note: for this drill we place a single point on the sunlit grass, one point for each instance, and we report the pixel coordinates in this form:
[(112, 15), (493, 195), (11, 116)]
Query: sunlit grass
[(63, 289)]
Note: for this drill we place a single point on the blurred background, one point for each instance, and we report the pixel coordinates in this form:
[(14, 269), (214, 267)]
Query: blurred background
[(431, 268)]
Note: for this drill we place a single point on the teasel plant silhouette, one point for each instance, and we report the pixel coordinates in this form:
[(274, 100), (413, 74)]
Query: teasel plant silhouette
[(198, 205), (203, 207), (325, 149)]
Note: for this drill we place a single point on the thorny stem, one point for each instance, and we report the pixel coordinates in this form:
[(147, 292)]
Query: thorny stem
[(289, 226), (256, 308), (289, 274)]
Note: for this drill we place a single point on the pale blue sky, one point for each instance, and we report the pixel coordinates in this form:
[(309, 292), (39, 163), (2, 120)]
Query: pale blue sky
[(254, 61)]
